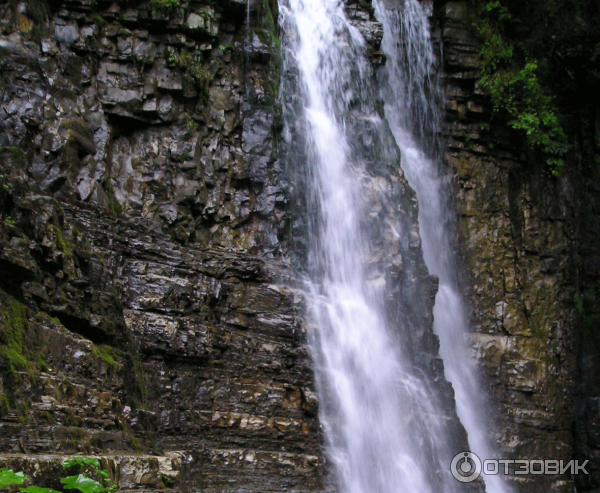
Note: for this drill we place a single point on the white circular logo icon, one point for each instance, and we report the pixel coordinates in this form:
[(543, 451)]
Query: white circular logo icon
[(465, 467)]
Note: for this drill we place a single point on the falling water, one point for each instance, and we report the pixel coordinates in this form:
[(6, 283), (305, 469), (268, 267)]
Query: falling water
[(412, 96), (384, 427)]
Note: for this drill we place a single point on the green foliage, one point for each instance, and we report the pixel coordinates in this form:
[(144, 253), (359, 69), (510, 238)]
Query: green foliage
[(15, 358), (164, 5), (135, 443), (104, 474), (115, 206), (87, 467), (202, 77), (99, 20), (579, 305), (513, 81), (530, 110), (90, 477), (38, 489), (192, 64), (23, 412), (189, 122), (46, 417), (10, 478), (81, 462), (79, 481), (82, 483), (269, 34), (105, 353), (11, 340), (5, 183), (59, 238), (9, 222)]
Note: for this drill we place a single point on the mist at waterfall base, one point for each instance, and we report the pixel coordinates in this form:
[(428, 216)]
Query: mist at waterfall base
[(385, 427), (413, 107)]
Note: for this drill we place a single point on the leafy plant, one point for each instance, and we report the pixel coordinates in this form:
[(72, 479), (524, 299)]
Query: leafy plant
[(517, 92), (83, 484), (9, 478), (38, 489), (82, 462), (86, 467), (189, 122), (79, 481)]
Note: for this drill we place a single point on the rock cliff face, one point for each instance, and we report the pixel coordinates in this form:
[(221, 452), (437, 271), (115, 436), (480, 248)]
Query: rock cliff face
[(146, 313), (145, 300), (143, 305), (528, 245)]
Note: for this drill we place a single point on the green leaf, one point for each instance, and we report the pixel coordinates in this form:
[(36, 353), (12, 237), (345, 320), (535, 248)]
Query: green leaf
[(81, 461), (8, 478), (38, 489), (83, 484)]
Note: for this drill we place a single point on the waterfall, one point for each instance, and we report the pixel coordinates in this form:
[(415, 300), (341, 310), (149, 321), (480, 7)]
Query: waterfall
[(413, 97), (386, 431)]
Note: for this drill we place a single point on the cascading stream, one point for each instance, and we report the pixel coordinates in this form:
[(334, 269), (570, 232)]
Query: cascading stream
[(413, 98), (384, 431)]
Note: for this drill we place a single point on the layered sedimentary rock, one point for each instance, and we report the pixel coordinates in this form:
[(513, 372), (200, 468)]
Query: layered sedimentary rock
[(144, 305), (145, 224), (529, 261), (147, 315)]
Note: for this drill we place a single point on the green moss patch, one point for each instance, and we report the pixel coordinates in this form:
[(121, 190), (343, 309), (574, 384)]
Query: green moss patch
[(106, 355), (15, 324)]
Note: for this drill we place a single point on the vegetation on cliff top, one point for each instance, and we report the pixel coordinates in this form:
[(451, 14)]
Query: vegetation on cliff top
[(524, 66)]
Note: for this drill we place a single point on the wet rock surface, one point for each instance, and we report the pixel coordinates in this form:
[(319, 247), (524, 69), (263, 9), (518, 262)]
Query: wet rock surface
[(144, 300), (144, 112), (144, 344), (528, 258), (146, 314)]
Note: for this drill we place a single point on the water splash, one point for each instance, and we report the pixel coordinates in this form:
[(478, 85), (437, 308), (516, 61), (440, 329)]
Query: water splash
[(413, 98)]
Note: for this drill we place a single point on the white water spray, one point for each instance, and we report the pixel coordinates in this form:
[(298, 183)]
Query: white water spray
[(413, 108), (384, 431)]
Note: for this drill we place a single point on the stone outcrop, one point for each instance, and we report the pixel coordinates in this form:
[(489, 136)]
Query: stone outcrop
[(147, 315), (143, 294), (529, 260)]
